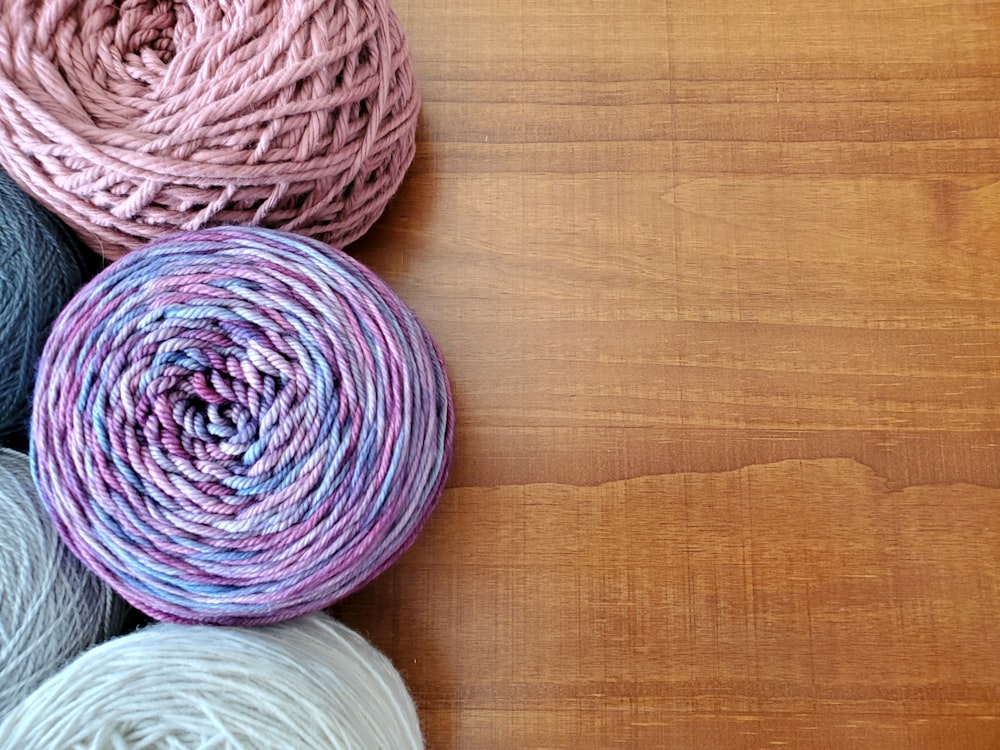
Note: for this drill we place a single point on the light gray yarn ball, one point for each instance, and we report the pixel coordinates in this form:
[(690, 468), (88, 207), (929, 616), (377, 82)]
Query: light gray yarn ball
[(306, 684), (51, 607)]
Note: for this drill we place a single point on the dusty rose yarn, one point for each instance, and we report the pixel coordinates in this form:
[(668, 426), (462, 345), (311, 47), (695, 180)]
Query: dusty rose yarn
[(135, 118)]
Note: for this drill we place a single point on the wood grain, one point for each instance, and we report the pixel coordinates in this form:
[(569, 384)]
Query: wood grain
[(718, 283)]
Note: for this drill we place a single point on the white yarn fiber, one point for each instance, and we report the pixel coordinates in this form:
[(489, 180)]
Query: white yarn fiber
[(51, 606), (306, 684)]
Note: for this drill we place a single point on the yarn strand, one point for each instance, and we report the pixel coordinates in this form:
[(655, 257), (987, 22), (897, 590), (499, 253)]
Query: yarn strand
[(239, 426), (51, 607), (41, 266), (136, 119), (308, 684)]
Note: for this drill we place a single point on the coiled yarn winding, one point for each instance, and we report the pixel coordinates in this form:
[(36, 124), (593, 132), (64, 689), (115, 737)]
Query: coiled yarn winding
[(310, 684), (239, 426), (138, 118), (41, 266), (51, 606)]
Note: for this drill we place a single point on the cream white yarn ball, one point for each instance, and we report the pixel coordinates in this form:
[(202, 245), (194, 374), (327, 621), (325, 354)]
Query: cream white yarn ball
[(306, 684), (51, 606)]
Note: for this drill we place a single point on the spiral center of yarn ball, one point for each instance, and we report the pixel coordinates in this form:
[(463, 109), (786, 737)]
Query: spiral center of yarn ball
[(142, 38), (139, 118), (239, 426)]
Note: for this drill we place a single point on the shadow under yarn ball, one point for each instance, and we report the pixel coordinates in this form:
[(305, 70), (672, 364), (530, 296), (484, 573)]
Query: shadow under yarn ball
[(132, 120), (239, 426), (309, 684), (41, 266)]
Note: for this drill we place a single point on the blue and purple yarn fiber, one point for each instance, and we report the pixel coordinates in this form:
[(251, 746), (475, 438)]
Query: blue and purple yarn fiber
[(239, 426)]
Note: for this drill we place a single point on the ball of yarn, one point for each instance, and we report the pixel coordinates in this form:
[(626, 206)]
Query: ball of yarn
[(51, 606), (239, 426), (139, 118), (41, 266), (309, 684)]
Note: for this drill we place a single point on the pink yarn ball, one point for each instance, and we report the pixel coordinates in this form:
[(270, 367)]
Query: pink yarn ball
[(137, 118)]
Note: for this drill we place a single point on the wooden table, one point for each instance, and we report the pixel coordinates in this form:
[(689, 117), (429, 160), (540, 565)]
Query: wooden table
[(718, 282)]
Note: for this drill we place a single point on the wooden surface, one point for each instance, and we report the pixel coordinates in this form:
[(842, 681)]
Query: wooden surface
[(718, 282)]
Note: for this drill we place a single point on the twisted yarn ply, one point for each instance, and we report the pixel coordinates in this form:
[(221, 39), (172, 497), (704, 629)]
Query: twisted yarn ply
[(51, 606), (41, 266), (138, 118), (309, 684), (239, 426)]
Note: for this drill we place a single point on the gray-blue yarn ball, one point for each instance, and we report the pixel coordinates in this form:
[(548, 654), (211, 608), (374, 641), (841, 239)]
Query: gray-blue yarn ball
[(42, 264)]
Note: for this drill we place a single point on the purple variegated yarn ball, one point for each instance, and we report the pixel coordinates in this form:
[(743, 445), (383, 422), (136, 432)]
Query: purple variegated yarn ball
[(239, 426)]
